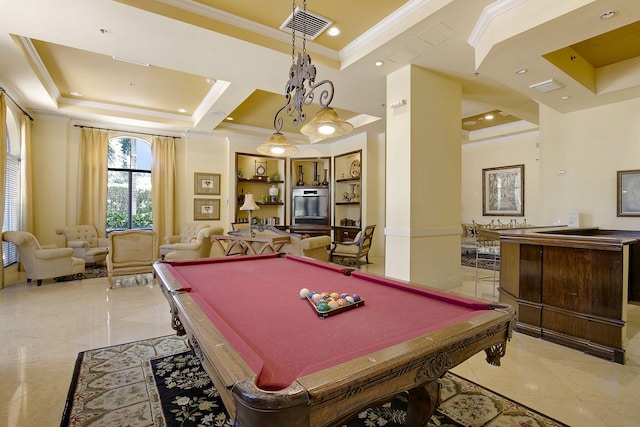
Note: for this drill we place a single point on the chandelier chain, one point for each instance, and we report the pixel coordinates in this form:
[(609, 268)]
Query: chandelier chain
[(293, 32), (304, 27)]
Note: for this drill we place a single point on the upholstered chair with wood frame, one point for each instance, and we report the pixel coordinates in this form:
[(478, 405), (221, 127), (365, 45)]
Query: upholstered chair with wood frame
[(355, 250), (131, 252), (188, 234), (43, 262), (85, 242), (198, 248)]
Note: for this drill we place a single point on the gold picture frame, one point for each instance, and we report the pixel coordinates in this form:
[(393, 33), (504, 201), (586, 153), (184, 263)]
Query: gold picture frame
[(207, 183), (206, 209)]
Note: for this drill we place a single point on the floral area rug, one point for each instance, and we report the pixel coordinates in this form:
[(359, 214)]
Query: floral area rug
[(470, 261), (159, 382)]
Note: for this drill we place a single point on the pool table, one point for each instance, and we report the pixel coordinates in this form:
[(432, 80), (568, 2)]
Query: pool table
[(277, 363)]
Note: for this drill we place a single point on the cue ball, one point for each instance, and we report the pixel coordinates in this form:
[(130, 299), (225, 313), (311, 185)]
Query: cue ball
[(304, 292)]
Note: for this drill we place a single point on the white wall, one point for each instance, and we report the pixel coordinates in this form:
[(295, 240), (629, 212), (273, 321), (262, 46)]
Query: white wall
[(498, 152), (591, 146)]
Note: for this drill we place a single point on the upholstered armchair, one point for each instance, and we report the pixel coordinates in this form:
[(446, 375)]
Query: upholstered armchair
[(200, 247), (355, 250), (188, 234), (131, 252), (84, 241), (43, 262)]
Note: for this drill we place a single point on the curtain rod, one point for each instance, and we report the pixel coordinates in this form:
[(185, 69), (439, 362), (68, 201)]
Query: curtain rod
[(15, 103), (126, 131)]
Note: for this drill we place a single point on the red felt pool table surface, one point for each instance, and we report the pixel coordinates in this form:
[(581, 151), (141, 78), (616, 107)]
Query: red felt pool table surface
[(255, 303)]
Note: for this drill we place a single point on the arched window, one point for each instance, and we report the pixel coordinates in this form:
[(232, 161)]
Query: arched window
[(129, 184), (12, 188)]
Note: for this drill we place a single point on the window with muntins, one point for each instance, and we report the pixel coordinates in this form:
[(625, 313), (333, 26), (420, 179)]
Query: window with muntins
[(129, 184), (12, 203)]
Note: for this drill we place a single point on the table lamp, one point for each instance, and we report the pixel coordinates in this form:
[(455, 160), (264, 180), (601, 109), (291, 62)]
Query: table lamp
[(249, 205)]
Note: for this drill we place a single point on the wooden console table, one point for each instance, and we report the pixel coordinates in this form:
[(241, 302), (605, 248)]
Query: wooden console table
[(248, 245)]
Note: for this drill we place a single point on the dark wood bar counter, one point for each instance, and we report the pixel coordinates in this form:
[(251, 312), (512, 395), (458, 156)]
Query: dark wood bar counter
[(571, 285)]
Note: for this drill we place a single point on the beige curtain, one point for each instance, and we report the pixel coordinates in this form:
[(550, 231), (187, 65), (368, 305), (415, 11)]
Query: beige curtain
[(27, 178), (3, 168), (92, 179), (163, 185)]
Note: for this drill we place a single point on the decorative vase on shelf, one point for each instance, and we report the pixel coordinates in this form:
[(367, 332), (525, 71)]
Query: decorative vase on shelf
[(352, 192), (325, 182), (300, 176), (273, 194), (316, 177)]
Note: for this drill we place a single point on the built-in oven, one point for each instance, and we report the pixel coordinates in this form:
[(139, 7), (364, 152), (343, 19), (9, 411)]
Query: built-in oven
[(310, 206)]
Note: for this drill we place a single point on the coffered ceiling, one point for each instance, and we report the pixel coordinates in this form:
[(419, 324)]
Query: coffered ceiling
[(179, 66)]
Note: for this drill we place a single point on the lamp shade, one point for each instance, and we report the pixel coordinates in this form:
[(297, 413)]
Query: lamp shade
[(277, 145), (326, 124), (249, 203)]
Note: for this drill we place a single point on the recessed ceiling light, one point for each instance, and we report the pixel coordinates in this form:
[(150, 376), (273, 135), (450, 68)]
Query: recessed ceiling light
[(333, 31), (229, 118), (489, 117), (74, 93), (182, 110), (521, 71), (210, 81), (379, 63), (470, 123), (609, 14), (564, 98)]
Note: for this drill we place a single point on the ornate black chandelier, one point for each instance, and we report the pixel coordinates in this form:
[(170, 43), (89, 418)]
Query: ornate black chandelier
[(326, 122)]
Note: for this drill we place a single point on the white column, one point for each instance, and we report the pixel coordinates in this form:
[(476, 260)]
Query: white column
[(423, 185)]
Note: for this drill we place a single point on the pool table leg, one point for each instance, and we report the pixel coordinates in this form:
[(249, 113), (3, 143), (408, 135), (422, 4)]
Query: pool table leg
[(423, 402)]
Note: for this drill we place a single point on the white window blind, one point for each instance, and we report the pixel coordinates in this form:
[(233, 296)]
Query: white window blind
[(11, 209)]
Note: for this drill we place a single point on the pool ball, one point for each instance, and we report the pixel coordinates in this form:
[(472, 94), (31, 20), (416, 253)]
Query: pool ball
[(322, 306), (304, 292), (356, 297), (349, 299), (334, 295), (333, 305), (341, 302)]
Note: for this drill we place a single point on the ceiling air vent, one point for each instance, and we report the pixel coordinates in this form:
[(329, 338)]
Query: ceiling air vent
[(306, 22), (546, 86)]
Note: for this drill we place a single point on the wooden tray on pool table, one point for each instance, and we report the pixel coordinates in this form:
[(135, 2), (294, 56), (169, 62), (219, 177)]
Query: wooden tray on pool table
[(335, 310)]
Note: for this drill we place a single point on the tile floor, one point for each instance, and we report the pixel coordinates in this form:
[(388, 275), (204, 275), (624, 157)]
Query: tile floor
[(44, 328)]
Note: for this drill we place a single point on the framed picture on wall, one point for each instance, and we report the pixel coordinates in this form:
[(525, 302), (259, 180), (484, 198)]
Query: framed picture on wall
[(503, 191), (629, 193), (207, 183), (206, 209)]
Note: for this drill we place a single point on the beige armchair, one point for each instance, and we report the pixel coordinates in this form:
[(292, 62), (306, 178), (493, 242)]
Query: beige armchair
[(84, 241), (188, 234), (131, 252), (355, 250), (43, 262), (198, 248)]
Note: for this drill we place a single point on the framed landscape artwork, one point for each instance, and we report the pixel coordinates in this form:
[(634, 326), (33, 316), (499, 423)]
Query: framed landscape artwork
[(629, 193), (503, 191), (206, 209), (207, 183)]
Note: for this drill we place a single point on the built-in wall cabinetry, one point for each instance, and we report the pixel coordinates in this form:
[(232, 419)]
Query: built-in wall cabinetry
[(347, 187), (265, 178), (311, 195)]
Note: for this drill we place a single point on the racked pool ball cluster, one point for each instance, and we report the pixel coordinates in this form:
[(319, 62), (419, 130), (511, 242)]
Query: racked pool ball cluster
[(325, 302)]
